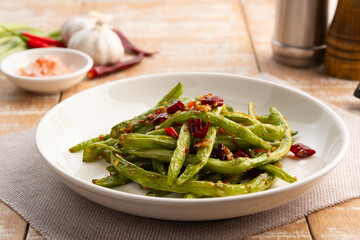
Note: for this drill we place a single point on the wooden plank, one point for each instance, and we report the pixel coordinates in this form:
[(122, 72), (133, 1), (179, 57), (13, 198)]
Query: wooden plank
[(20, 110), (12, 225), (293, 231), (32, 234), (337, 222), (196, 36)]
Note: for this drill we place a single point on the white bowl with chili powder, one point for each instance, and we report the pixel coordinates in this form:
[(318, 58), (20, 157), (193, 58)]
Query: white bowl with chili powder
[(46, 70)]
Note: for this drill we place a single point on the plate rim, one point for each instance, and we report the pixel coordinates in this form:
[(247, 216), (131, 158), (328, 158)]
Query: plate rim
[(130, 196)]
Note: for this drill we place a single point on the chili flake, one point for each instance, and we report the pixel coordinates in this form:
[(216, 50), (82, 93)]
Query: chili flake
[(202, 143)]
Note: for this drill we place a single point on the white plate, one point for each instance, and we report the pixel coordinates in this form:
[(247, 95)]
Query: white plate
[(96, 110)]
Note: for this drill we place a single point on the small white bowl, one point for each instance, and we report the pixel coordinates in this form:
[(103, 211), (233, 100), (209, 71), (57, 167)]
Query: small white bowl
[(79, 62)]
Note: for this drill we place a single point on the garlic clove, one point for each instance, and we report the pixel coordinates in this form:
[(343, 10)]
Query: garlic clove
[(100, 42), (75, 24)]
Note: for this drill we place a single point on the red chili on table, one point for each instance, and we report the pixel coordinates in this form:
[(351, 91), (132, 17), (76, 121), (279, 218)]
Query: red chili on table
[(97, 71), (171, 132), (129, 46), (301, 150), (47, 40), (33, 43)]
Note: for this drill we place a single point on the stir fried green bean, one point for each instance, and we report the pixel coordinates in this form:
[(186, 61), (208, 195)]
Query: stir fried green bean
[(200, 147), (178, 157)]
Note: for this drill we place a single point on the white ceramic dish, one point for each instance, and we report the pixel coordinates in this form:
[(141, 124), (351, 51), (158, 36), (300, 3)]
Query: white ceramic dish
[(96, 110), (78, 61)]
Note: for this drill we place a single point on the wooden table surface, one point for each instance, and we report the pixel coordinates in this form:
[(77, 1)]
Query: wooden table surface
[(231, 36)]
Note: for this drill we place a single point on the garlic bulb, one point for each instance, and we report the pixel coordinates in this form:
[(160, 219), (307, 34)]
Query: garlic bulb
[(75, 24), (100, 42)]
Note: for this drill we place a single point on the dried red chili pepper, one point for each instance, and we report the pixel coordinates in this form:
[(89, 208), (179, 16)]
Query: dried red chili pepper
[(203, 131), (233, 140), (219, 154), (98, 71), (215, 101), (241, 153), (141, 164), (175, 107), (129, 46), (301, 150), (171, 132), (196, 128), (151, 116), (160, 118), (194, 125)]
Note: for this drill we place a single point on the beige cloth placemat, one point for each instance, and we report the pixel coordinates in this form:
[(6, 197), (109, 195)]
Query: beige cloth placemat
[(29, 187)]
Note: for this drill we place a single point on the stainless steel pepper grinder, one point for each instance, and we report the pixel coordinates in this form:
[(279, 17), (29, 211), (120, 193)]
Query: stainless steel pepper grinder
[(300, 30)]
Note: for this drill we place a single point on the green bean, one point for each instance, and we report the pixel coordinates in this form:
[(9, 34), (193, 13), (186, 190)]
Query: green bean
[(178, 157), (235, 166), (261, 182), (265, 119), (144, 129), (162, 131), (117, 129), (251, 109), (94, 150), (267, 132), (156, 193), (293, 133), (159, 167), (202, 154), (111, 181), (229, 108), (111, 169), (214, 177), (240, 117), (230, 126), (174, 93), (235, 178), (190, 196), (158, 181), (82, 145), (278, 172), (137, 140)]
